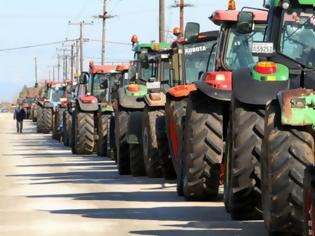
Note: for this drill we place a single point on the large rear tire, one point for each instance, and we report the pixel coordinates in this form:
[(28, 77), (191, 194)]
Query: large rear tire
[(102, 135), (287, 151), (83, 135), (247, 132), (175, 111), (137, 167), (203, 147), (122, 147), (39, 120), (65, 129), (150, 144), (47, 120)]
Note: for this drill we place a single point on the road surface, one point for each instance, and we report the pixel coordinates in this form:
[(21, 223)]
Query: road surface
[(45, 190)]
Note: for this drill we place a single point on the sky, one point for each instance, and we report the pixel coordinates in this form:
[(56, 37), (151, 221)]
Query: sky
[(33, 22)]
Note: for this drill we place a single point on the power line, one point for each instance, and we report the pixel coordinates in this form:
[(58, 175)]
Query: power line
[(33, 46), (58, 42)]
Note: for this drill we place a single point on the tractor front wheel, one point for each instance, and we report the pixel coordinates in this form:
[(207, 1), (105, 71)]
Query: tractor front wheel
[(203, 148), (102, 135), (286, 154), (47, 120)]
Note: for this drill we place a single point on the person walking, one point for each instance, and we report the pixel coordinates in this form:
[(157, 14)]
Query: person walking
[(19, 115)]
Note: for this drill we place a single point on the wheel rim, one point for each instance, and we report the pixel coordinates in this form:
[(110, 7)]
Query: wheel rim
[(173, 136)]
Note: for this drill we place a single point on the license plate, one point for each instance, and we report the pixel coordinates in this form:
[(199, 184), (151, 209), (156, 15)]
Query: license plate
[(153, 85), (262, 48)]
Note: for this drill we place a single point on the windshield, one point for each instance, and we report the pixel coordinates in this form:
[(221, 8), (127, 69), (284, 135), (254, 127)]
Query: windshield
[(238, 53), (196, 59), (56, 94), (99, 92), (297, 39), (147, 73)]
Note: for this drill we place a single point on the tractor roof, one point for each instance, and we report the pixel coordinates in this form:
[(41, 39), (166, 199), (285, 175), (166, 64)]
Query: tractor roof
[(277, 3), (162, 46), (220, 16), (202, 37), (101, 69)]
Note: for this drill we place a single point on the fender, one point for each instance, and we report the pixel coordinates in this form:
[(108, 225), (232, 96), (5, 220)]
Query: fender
[(155, 99), (255, 92), (88, 103), (48, 104), (297, 107), (182, 90), (135, 127), (132, 102), (218, 94)]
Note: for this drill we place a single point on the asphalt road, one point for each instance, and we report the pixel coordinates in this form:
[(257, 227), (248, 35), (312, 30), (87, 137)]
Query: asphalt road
[(45, 190)]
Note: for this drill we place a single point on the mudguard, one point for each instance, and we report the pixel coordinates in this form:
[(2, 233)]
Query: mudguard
[(297, 107), (255, 92), (155, 99), (218, 94), (88, 103), (135, 127), (132, 102), (48, 104)]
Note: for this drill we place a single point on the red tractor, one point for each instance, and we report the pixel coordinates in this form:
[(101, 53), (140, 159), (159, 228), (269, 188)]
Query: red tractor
[(27, 105), (92, 111), (198, 113)]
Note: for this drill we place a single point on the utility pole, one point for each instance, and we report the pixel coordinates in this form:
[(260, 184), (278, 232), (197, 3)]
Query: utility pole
[(35, 62), (64, 63), (81, 24), (58, 67), (181, 5), (104, 17), (77, 57), (162, 21), (72, 62)]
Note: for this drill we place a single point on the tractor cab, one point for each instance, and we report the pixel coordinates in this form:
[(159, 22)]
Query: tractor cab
[(56, 93)]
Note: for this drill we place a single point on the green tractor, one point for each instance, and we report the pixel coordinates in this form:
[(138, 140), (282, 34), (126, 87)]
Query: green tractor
[(72, 91), (53, 95), (92, 109), (288, 141), (155, 144), (129, 107)]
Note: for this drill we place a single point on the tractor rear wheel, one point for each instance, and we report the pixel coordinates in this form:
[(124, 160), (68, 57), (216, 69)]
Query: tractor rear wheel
[(287, 151), (65, 129), (244, 161), (122, 147), (47, 120), (83, 133), (39, 120), (150, 144), (203, 147), (175, 111), (102, 135), (137, 162), (112, 147)]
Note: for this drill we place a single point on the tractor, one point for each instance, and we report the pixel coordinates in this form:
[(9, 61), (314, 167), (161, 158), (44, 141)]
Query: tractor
[(74, 89), (92, 109), (154, 139), (53, 95), (59, 112), (118, 78), (27, 105), (198, 113), (129, 108), (279, 103)]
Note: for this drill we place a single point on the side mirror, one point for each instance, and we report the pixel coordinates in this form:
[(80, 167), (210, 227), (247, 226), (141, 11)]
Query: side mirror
[(84, 78), (36, 85), (245, 22), (126, 76), (192, 29)]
